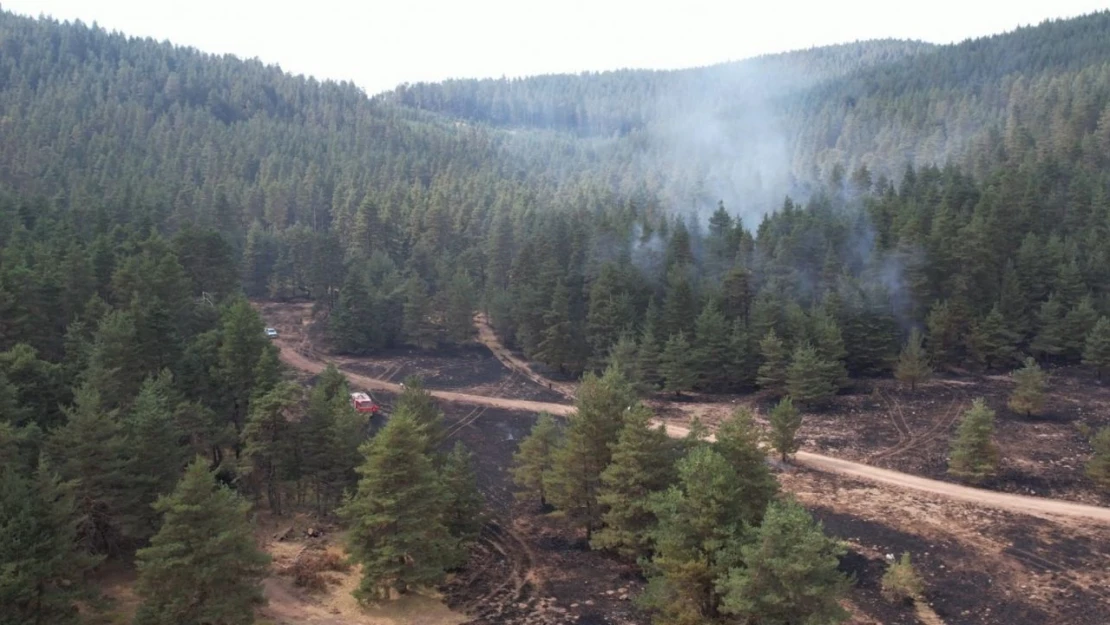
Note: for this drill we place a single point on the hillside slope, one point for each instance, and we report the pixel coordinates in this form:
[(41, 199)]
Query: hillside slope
[(795, 117)]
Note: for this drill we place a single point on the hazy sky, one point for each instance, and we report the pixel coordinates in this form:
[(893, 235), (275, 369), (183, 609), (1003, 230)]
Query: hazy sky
[(380, 43)]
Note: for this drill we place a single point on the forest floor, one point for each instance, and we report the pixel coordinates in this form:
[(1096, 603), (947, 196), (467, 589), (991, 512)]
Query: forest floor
[(983, 565), (294, 543)]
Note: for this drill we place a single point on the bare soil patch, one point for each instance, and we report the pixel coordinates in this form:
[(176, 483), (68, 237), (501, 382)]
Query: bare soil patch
[(294, 542)]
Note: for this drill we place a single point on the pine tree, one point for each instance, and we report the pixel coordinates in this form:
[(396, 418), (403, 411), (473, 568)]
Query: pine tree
[(464, 502), (1096, 352), (868, 325), (790, 572), (623, 356), (316, 445), (1028, 395), (152, 457), (807, 379), (608, 314), (641, 466), (347, 434), (1098, 467), (353, 316), (901, 581), (829, 343), (458, 318), (744, 362), (268, 448), (332, 383), (42, 562), (973, 455), (696, 541), (1013, 300), (534, 459), (719, 244), (88, 452), (738, 441), (648, 360), (993, 343), (678, 365), (913, 364), (418, 328), (256, 261), (587, 449), (945, 335), (112, 371), (557, 347), (1069, 283), (1049, 340), (398, 532), (242, 343), (422, 407), (203, 566), (328, 439), (737, 291), (680, 307), (37, 387), (772, 371), (712, 349), (1078, 323), (268, 370), (785, 421), (19, 446)]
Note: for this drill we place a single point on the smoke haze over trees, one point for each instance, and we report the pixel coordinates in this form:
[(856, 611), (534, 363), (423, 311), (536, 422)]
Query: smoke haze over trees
[(787, 223)]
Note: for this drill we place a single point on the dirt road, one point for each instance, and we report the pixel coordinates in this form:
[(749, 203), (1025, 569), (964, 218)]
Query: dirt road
[(296, 359), (1015, 503)]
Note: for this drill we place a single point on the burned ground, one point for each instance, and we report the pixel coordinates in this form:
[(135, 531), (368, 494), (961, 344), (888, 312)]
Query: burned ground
[(886, 425), (528, 568), (981, 566)]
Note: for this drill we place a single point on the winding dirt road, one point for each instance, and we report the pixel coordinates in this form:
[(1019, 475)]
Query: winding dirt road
[(1035, 506)]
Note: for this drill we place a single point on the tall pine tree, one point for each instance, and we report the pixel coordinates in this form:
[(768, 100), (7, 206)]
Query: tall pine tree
[(1096, 350), (772, 371), (790, 573), (534, 460), (203, 566), (785, 421), (678, 365), (642, 465), (42, 562), (398, 530), (587, 448)]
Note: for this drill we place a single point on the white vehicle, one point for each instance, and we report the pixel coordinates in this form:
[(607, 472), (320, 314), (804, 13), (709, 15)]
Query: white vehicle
[(271, 333)]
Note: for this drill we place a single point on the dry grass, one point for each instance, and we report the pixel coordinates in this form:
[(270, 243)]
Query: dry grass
[(311, 569)]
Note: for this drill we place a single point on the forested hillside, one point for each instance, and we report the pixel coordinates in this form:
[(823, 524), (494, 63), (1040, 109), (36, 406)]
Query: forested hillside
[(879, 104), (632, 219), (625, 101), (401, 222)]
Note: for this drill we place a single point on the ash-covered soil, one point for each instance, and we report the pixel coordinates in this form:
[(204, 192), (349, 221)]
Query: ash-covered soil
[(528, 568), (472, 369), (886, 425), (981, 566)]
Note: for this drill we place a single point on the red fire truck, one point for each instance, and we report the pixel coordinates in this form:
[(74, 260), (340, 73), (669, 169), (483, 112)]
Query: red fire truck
[(362, 402)]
